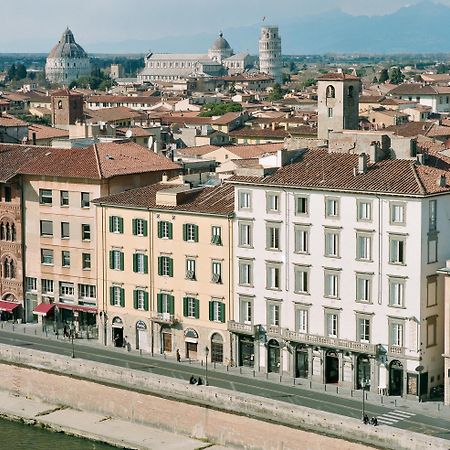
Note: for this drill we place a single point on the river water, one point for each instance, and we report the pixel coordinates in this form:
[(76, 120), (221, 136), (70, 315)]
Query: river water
[(17, 436)]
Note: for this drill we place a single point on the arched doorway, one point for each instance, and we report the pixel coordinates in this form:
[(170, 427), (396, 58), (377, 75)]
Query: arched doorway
[(362, 370), (142, 336), (301, 362), (216, 348), (331, 367), (273, 356), (166, 340), (191, 341), (396, 378), (117, 332)]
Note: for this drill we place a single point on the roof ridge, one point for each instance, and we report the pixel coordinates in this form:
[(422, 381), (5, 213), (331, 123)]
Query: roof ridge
[(97, 160), (413, 167)]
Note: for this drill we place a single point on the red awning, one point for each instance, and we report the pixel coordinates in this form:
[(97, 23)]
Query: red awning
[(43, 308), (8, 306), (83, 308)]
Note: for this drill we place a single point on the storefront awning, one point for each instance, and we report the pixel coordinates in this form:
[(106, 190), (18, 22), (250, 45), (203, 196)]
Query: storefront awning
[(8, 306), (43, 309), (82, 308)]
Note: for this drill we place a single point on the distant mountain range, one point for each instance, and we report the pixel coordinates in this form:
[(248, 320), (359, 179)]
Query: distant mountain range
[(420, 28)]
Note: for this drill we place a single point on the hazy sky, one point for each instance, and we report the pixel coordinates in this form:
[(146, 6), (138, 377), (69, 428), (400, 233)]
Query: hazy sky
[(34, 25)]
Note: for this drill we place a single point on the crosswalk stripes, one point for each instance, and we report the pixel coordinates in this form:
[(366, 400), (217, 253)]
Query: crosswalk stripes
[(394, 416)]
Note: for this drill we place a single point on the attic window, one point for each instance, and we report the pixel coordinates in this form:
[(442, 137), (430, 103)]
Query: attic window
[(109, 157)]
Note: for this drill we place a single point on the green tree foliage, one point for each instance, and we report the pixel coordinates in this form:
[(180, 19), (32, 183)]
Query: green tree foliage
[(277, 93), (21, 72), (397, 76), (292, 67), (384, 76), (308, 82), (98, 80), (219, 109), (442, 68), (12, 71)]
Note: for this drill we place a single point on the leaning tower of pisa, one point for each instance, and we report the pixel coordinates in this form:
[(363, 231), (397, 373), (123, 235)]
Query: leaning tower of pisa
[(270, 52)]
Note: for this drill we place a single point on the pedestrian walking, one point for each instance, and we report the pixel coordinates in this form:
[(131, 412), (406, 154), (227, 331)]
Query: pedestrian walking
[(178, 356), (366, 419)]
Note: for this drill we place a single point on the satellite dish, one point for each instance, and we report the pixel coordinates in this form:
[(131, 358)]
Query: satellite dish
[(129, 134), (419, 369)]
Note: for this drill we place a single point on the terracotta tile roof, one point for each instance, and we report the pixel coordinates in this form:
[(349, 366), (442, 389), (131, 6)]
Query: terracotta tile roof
[(371, 98), (252, 151), (147, 99), (98, 161), (212, 200), (112, 114), (65, 92), (413, 89), (168, 119), (411, 129), (137, 131), (277, 133), (199, 150), (227, 118), (6, 120), (44, 132), (321, 170)]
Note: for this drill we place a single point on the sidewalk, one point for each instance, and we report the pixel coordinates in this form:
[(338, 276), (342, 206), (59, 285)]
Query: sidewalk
[(431, 408)]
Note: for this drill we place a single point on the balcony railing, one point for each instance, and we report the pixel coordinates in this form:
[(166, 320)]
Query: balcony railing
[(274, 331), (241, 328), (396, 350), (342, 344), (164, 318)]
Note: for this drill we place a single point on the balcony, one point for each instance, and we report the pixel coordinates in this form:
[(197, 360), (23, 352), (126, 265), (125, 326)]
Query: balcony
[(324, 341), (241, 328), (395, 350), (274, 331), (163, 318)]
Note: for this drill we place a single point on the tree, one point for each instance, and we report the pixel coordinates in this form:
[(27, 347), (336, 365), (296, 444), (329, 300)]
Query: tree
[(442, 68), (21, 72), (384, 76), (308, 82), (397, 76), (292, 67), (12, 71), (219, 109), (276, 94)]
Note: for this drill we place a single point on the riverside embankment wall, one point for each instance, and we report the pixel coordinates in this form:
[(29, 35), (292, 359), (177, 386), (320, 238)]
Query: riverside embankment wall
[(105, 389)]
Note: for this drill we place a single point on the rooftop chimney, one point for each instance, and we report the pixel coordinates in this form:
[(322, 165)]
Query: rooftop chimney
[(441, 181), (362, 163)]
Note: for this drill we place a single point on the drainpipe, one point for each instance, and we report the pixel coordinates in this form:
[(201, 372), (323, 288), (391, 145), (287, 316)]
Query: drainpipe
[(152, 280), (22, 244)]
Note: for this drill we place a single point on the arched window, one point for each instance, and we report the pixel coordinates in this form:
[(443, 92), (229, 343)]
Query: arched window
[(60, 103), (13, 232), (3, 231), (331, 92), (8, 268)]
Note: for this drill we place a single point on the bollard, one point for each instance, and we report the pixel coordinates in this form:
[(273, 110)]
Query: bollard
[(337, 389), (267, 375), (228, 368), (381, 399), (13, 328), (24, 330), (201, 362), (35, 332), (351, 392), (281, 377), (214, 365), (325, 387), (254, 373), (439, 406), (310, 384), (240, 370), (294, 381), (395, 402)]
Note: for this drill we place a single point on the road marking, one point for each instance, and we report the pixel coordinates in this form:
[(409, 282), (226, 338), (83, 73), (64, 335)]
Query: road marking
[(393, 417)]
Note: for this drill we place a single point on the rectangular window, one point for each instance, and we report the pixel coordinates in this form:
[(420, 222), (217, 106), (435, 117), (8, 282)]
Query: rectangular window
[(273, 314), (245, 272), (245, 234), (432, 249), (396, 334), (47, 287), (66, 289), (117, 296), (165, 266), (116, 260), (397, 213), (331, 207), (31, 284), (331, 284), (64, 198), (140, 263), (65, 230), (85, 232), (216, 235), (45, 196), (301, 319), (86, 261), (431, 331), (191, 307), (273, 202), (396, 292), (139, 227), (115, 224), (363, 288), (364, 210), (331, 324), (85, 200), (432, 290), (164, 230), (273, 276), (330, 113), (301, 275), (65, 258), (364, 329), (190, 232), (363, 247), (216, 311), (46, 256), (246, 310), (433, 215), (332, 243), (301, 205), (190, 269), (397, 249), (301, 239), (272, 237), (46, 228), (8, 194), (165, 303), (216, 272), (244, 200), (87, 292)]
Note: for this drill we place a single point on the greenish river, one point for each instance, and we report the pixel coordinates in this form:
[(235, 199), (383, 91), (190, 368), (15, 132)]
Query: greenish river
[(17, 436)]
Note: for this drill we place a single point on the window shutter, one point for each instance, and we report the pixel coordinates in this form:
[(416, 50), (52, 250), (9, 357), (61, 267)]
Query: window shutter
[(185, 306), (184, 232), (121, 261), (111, 295), (171, 300), (135, 299), (145, 228), (122, 297), (211, 311), (196, 233), (120, 225), (170, 267), (146, 301), (135, 256), (159, 229), (111, 218), (134, 226), (170, 230), (159, 303), (111, 259), (159, 265), (222, 312), (196, 308), (145, 264)]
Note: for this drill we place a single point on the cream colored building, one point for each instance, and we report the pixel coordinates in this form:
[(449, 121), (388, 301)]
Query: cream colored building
[(60, 231), (164, 269)]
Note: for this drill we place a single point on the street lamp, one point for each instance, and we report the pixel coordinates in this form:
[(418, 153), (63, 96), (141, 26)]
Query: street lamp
[(72, 335), (206, 365), (364, 383)]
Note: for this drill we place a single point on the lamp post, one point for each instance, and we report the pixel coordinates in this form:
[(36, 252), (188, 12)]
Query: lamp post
[(206, 365), (364, 383), (72, 335)]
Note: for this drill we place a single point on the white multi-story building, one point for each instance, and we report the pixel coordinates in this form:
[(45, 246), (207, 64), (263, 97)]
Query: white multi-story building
[(335, 272), (270, 61)]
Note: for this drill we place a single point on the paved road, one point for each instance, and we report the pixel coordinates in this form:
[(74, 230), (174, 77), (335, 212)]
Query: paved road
[(400, 417)]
